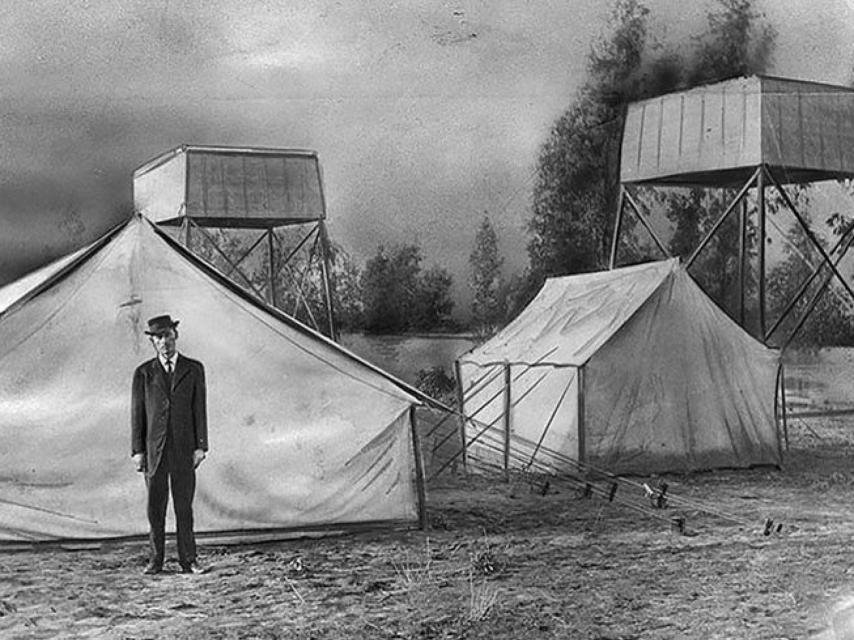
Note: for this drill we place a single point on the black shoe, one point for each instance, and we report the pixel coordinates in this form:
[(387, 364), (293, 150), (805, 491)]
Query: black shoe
[(193, 567), (153, 568)]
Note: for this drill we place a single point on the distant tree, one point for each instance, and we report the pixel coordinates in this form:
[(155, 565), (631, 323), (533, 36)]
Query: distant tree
[(398, 296), (433, 304), (485, 280)]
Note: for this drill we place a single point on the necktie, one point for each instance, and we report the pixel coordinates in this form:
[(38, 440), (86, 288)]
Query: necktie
[(169, 370)]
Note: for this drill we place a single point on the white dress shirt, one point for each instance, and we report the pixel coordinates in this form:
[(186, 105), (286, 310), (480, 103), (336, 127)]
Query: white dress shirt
[(173, 360)]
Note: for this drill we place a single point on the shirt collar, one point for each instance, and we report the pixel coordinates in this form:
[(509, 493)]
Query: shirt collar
[(173, 360)]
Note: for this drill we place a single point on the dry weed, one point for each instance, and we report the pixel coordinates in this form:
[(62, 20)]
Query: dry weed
[(482, 599)]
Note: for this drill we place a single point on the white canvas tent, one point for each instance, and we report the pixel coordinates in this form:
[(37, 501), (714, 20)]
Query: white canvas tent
[(631, 370), (304, 435)]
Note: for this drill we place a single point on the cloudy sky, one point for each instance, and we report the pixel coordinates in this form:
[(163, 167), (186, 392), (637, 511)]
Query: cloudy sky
[(425, 114)]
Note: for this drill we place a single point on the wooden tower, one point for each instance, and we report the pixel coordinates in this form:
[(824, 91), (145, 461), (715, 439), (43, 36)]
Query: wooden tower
[(749, 134), (194, 189)]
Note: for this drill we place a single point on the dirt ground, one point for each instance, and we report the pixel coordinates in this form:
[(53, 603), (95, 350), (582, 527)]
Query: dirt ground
[(499, 561)]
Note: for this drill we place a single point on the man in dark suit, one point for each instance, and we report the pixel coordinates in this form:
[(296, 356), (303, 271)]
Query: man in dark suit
[(169, 438)]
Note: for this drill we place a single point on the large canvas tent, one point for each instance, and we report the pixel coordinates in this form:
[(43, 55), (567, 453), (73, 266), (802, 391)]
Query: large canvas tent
[(631, 370), (304, 435)]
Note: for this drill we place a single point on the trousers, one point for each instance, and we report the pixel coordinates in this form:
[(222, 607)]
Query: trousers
[(183, 487)]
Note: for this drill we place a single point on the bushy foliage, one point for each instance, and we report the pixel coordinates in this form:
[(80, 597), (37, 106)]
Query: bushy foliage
[(437, 383), (577, 170), (399, 296)]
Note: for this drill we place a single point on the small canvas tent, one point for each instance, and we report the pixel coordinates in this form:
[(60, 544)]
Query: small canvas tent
[(631, 370), (304, 435)]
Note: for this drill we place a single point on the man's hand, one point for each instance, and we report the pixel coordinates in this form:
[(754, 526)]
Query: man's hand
[(139, 461), (198, 456)]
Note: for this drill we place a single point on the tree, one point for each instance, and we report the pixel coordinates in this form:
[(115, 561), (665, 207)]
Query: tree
[(433, 304), (737, 42), (576, 183), (398, 296), (485, 280)]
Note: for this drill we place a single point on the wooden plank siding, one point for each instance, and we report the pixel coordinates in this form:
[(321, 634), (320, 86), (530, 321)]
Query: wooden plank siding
[(715, 135)]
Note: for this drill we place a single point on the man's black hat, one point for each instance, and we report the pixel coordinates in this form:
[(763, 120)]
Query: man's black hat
[(160, 324)]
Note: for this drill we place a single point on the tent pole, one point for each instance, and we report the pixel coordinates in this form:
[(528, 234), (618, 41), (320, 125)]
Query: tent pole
[(419, 471), (742, 243), (617, 226), (760, 194), (549, 423), (783, 404), (462, 415), (271, 266), (507, 409), (582, 444)]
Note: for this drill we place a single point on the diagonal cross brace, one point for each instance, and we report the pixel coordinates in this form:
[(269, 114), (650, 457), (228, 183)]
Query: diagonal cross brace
[(844, 241), (723, 217), (809, 233), (646, 224)]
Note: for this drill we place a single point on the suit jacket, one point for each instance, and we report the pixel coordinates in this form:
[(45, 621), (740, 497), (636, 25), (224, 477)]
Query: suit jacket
[(155, 408)]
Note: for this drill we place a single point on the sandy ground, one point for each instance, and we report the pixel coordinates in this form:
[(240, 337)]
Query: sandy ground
[(499, 561)]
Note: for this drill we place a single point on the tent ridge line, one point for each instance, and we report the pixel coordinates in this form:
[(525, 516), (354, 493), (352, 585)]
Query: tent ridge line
[(65, 271)]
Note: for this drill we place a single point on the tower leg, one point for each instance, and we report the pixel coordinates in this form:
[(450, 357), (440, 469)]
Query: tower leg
[(327, 281), (618, 223), (271, 267)]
